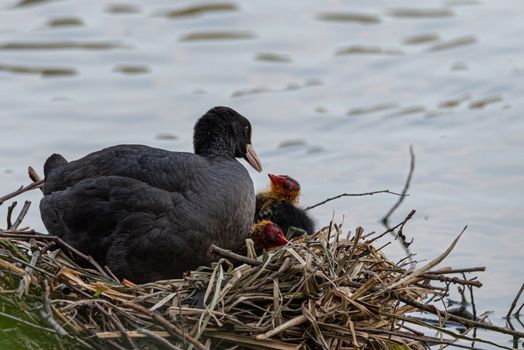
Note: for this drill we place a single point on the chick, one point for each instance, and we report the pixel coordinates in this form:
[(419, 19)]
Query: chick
[(266, 235), (279, 204)]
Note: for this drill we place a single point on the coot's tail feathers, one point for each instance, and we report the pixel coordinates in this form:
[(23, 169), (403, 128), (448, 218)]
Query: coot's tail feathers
[(56, 160)]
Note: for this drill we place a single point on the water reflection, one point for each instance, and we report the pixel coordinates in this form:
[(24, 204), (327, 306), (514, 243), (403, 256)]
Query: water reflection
[(217, 35), (455, 102), (60, 45), (166, 136), (65, 22), (342, 87), (122, 9), (23, 3), (420, 12), (421, 39), (273, 57), (44, 72), (131, 69), (371, 109), (292, 143), (369, 50), (478, 104), (453, 43), (201, 9), (349, 17)]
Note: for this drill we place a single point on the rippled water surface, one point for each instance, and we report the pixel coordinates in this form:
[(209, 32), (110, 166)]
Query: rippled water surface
[(336, 92)]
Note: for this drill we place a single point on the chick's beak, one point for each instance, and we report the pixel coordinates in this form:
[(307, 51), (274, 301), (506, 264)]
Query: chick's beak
[(282, 240), (252, 158)]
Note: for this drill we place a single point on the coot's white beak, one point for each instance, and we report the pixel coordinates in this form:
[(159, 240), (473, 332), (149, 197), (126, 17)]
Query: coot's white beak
[(252, 158)]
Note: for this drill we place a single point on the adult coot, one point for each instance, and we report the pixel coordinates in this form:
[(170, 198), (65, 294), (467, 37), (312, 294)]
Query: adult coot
[(280, 205), (152, 214)]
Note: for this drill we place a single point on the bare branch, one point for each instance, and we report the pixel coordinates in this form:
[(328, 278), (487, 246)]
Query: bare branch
[(514, 303), (385, 220), (22, 189), (353, 195)]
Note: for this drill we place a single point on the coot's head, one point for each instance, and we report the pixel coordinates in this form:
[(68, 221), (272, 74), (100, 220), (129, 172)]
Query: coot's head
[(268, 235), (285, 188), (223, 131)]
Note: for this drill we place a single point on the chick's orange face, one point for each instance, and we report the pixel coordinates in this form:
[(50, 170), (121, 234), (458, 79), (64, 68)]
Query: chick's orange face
[(285, 187), (273, 236)]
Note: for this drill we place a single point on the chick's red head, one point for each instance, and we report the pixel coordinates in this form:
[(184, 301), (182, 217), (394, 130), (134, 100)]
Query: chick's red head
[(284, 187), (273, 236)]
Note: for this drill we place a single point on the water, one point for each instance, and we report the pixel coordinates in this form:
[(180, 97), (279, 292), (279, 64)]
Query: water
[(336, 92)]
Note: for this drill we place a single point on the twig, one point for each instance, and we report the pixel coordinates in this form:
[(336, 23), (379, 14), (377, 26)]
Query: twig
[(118, 325), (47, 313), (455, 280), (473, 306), (171, 328), (450, 271), (519, 309), (514, 303), (22, 189), (110, 316), (33, 174), (213, 249), (10, 214), (421, 338), (21, 216), (392, 229), (438, 277), (158, 338), (458, 319), (353, 195), (60, 241), (26, 278), (359, 231), (442, 329), (18, 320), (385, 220), (115, 345)]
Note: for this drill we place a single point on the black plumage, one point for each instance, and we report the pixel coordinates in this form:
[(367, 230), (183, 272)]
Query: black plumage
[(279, 204), (151, 214)]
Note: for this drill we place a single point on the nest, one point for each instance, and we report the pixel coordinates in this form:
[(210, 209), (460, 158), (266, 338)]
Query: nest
[(323, 291)]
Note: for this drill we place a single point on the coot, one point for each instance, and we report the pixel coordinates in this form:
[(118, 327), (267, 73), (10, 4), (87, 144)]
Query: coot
[(151, 214), (280, 205)]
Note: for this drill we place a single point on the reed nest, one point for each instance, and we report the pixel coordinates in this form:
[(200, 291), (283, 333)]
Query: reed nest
[(324, 291)]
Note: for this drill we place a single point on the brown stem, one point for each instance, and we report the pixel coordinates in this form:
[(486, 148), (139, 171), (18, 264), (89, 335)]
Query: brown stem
[(29, 187), (33, 234), (449, 271), (21, 216), (464, 321), (171, 328), (353, 195), (385, 220), (213, 249), (392, 229), (514, 303), (10, 214), (455, 280), (33, 174)]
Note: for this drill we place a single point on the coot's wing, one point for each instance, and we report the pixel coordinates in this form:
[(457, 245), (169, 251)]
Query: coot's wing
[(119, 221), (171, 171)]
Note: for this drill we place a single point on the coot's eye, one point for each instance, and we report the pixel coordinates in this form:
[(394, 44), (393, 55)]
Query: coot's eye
[(247, 130)]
